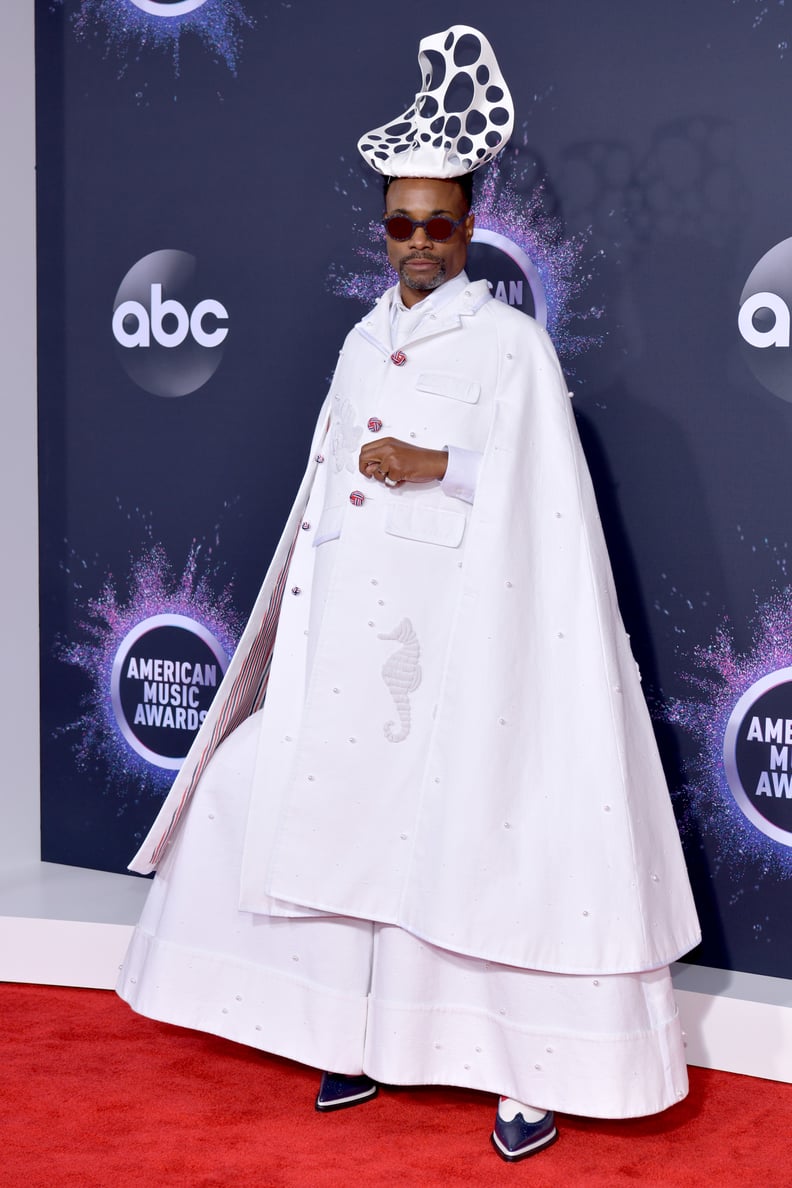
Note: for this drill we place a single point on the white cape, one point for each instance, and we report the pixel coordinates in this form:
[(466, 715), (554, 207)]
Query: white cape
[(523, 818)]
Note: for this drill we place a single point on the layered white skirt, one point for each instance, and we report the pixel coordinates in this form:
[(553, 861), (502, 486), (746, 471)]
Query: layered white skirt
[(350, 995)]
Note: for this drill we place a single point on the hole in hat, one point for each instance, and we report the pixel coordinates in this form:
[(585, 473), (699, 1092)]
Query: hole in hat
[(467, 50), (459, 95), (437, 70), (475, 123)]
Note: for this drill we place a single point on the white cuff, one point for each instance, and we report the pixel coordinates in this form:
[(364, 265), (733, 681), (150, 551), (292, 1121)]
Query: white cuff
[(461, 476)]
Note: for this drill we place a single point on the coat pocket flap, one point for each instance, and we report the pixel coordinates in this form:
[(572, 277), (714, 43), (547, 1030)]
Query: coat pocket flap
[(329, 527), (455, 387), (433, 525)]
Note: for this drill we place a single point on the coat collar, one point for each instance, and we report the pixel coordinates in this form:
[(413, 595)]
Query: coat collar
[(375, 327)]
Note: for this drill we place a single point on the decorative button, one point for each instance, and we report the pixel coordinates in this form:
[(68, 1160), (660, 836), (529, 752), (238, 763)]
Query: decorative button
[(296, 590), (320, 457), (357, 498), (374, 424), (305, 525), (399, 358)]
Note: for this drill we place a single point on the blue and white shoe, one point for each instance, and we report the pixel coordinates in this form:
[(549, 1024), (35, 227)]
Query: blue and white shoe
[(518, 1139), (337, 1091)]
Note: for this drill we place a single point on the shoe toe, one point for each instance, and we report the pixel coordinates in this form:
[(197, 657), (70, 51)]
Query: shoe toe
[(338, 1091), (518, 1139)]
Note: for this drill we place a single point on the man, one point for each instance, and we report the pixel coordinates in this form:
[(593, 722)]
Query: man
[(440, 849)]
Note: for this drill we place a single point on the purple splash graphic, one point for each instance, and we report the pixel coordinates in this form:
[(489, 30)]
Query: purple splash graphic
[(511, 202), (719, 678), (128, 27), (765, 11), (104, 620)]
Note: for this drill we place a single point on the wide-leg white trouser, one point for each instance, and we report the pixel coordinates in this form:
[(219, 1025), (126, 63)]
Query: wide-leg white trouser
[(352, 996)]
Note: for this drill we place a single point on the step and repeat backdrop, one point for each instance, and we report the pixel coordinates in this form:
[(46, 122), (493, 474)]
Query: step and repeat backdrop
[(206, 237)]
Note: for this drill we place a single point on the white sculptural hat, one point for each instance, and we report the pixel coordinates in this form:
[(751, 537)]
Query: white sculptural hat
[(461, 118)]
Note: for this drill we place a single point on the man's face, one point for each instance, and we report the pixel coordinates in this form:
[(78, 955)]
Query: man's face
[(422, 263)]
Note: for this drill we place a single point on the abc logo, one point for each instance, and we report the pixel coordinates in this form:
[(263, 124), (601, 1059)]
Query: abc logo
[(168, 8), (764, 320), (510, 272), (169, 335)]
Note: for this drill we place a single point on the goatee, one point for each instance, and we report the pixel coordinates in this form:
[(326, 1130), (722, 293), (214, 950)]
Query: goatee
[(419, 283)]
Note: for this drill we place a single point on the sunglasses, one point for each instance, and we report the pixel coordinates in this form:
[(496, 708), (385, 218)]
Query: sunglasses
[(438, 228)]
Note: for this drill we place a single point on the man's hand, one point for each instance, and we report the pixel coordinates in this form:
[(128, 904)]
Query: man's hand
[(394, 462)]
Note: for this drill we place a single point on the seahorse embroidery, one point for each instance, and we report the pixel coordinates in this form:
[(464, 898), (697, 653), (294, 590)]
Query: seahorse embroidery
[(401, 672), (345, 435)]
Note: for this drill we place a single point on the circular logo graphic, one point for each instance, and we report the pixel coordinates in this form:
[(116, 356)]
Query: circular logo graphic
[(168, 8), (510, 273), (169, 335), (764, 320), (165, 674), (757, 754)]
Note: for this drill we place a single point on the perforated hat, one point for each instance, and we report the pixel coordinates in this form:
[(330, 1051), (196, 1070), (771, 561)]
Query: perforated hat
[(460, 119)]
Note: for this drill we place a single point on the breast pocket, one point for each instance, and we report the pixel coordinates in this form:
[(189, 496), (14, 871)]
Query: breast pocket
[(453, 387)]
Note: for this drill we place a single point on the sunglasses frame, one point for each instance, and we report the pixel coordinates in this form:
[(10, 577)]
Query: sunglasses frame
[(424, 223)]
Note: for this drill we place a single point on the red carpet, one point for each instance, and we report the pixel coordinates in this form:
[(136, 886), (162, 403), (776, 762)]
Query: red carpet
[(94, 1096)]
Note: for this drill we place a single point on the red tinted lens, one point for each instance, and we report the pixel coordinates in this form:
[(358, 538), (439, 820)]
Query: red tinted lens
[(399, 227), (439, 228)]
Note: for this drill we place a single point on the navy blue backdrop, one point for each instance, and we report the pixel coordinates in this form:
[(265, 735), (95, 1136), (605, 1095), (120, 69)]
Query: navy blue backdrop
[(203, 155)]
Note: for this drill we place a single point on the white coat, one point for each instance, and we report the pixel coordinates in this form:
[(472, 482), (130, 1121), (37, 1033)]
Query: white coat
[(472, 758)]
